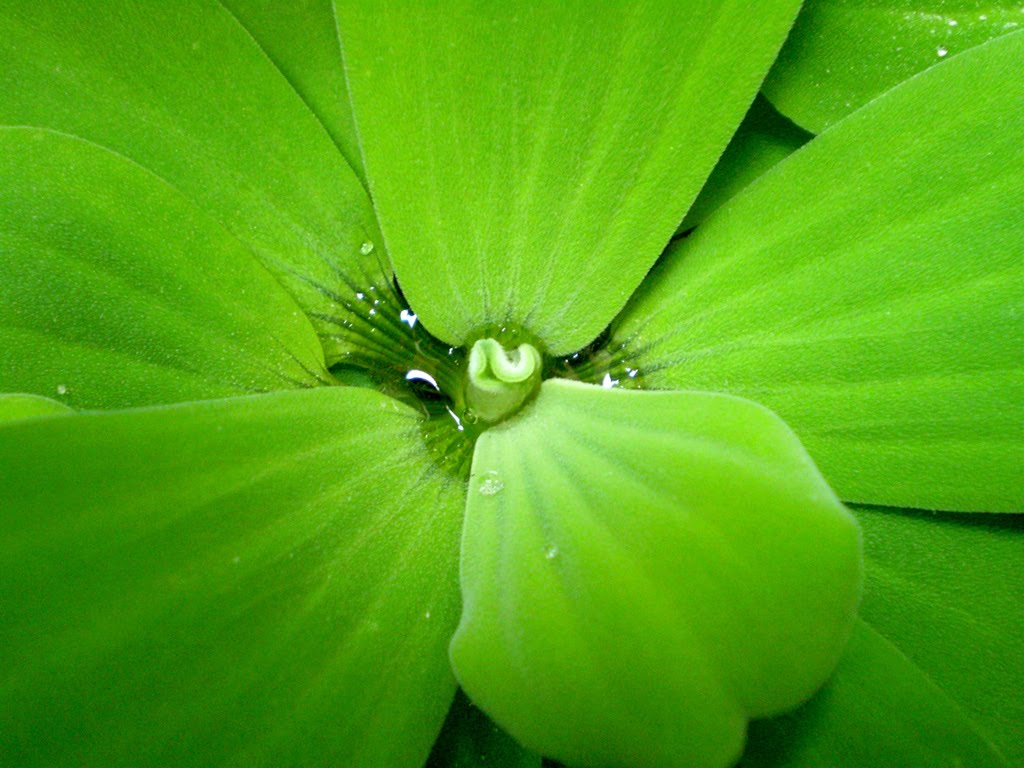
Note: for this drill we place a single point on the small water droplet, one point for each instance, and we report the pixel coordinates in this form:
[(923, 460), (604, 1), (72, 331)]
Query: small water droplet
[(953, 22), (632, 372), (426, 615), (61, 389), (407, 317), (491, 485), (941, 51), (360, 295), (551, 552), (608, 382), (366, 248)]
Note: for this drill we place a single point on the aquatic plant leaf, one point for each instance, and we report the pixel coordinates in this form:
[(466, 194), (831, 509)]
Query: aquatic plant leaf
[(301, 38), (529, 161), (933, 675), (870, 290), (19, 406), (115, 290), (843, 53), (268, 580), (644, 571), (470, 739), (763, 139), (186, 92)]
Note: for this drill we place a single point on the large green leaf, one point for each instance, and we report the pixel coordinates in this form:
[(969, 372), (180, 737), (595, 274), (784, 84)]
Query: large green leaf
[(261, 581), (301, 38), (934, 678), (183, 90), (529, 161), (843, 53), (115, 290), (763, 139), (470, 739), (643, 572), (870, 290), (20, 406)]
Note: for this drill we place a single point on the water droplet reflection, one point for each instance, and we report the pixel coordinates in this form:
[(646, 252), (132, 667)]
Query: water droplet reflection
[(491, 484)]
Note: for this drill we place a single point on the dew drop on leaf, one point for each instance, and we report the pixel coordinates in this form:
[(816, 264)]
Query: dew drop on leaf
[(491, 484)]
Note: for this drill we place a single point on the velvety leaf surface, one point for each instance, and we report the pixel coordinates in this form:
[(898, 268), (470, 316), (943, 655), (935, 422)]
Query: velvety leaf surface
[(843, 53), (763, 139), (529, 162), (261, 581), (115, 290), (870, 290), (18, 406), (470, 739), (301, 38), (185, 91), (642, 572), (878, 709), (933, 678)]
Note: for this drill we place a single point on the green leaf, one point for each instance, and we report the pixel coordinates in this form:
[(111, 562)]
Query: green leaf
[(261, 581), (186, 92), (470, 739), (115, 290), (529, 161), (18, 406), (763, 139), (870, 290), (301, 38), (934, 676), (878, 709), (949, 592), (642, 572), (843, 53)]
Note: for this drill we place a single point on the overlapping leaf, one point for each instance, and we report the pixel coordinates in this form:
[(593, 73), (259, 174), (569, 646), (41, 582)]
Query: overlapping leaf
[(115, 290), (643, 572), (186, 92), (267, 580), (529, 161), (843, 53), (870, 290), (933, 676)]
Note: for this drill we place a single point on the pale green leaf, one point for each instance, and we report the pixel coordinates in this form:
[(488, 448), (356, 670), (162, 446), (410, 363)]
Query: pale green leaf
[(183, 90), (529, 161), (934, 676), (115, 290), (301, 38), (470, 739), (870, 290), (260, 581), (643, 572), (843, 53), (763, 139), (19, 406), (877, 710)]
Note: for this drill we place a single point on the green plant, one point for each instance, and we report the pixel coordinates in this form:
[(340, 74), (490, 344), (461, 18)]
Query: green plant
[(241, 546)]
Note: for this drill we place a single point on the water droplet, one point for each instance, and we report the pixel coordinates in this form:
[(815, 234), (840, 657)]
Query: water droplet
[(632, 372), (407, 317), (491, 485), (61, 389), (551, 552), (366, 248), (360, 295), (953, 22), (418, 375), (608, 382), (426, 615), (941, 51)]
